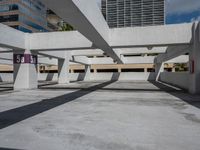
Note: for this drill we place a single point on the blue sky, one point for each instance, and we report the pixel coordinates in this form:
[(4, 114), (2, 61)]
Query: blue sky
[(180, 11)]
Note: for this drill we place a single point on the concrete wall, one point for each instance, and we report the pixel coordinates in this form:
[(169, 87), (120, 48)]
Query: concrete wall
[(179, 79), (6, 77), (151, 35), (174, 78), (101, 76)]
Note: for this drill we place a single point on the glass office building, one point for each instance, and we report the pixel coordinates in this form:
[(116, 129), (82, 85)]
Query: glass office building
[(130, 13), (24, 15)]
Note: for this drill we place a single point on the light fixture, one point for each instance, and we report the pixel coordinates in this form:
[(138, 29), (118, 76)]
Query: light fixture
[(149, 47)]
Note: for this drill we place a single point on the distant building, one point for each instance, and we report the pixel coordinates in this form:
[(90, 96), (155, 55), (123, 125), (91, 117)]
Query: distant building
[(56, 23), (130, 13), (24, 15), (53, 20)]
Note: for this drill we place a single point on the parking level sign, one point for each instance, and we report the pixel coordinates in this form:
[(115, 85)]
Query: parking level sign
[(25, 59)]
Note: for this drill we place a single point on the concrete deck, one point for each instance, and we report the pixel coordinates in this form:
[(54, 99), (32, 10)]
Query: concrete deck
[(99, 116)]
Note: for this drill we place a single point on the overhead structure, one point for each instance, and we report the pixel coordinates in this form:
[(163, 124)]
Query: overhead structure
[(173, 44), (86, 17)]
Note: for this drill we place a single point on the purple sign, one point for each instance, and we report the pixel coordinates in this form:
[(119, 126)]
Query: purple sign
[(25, 59)]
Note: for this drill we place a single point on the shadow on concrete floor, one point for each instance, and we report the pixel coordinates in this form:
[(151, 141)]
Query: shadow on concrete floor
[(5, 89), (10, 117), (46, 83), (1, 148), (114, 88), (5, 83), (193, 100), (111, 89)]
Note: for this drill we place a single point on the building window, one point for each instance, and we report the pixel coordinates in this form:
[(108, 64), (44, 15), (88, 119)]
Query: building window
[(9, 18)]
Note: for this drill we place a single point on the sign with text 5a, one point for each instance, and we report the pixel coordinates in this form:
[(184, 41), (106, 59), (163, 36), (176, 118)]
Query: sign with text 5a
[(25, 59)]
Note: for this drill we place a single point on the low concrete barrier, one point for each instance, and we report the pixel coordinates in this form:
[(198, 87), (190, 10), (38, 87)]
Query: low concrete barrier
[(141, 76), (101, 76), (6, 77), (179, 79)]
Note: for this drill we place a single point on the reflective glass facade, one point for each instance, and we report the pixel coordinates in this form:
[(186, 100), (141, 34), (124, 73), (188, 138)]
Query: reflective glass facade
[(129, 13), (25, 15)]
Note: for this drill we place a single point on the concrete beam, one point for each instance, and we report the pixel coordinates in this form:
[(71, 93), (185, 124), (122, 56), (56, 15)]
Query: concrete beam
[(6, 58), (5, 50), (11, 38), (104, 60), (53, 54), (144, 38), (6, 62), (87, 18), (173, 52), (139, 60), (80, 59), (179, 59), (126, 60), (87, 52), (151, 36), (141, 50), (72, 40), (121, 51), (47, 61)]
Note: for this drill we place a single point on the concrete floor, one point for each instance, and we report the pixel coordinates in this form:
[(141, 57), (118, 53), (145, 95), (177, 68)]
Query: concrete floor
[(99, 116)]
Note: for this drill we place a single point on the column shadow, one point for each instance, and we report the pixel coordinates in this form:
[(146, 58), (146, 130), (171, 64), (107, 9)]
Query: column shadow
[(193, 100), (6, 86), (49, 76), (3, 148), (13, 116), (46, 83), (81, 76)]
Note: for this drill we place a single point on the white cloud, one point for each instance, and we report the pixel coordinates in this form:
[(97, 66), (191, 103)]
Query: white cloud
[(182, 6), (195, 19), (177, 6), (99, 3)]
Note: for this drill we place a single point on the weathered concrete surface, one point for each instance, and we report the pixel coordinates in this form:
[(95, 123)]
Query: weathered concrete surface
[(144, 118)]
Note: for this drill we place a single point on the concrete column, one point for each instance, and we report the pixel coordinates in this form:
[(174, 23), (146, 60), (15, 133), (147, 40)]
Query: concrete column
[(87, 72), (173, 69), (87, 69), (159, 67), (38, 71), (25, 70), (119, 70), (145, 70), (63, 69), (94, 68), (194, 76)]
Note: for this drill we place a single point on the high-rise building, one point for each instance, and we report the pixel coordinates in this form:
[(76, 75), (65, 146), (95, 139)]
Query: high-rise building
[(129, 13), (24, 15)]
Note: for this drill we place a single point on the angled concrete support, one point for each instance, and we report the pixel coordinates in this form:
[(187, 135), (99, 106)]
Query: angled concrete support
[(194, 77), (85, 16), (159, 67), (11, 38), (25, 70), (63, 68), (87, 71)]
